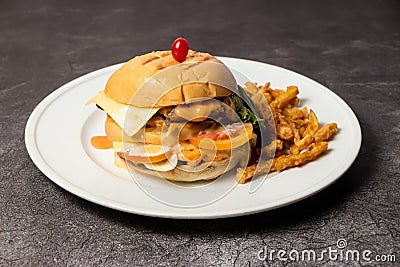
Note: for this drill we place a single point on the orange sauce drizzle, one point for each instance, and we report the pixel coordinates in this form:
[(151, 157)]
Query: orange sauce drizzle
[(101, 142)]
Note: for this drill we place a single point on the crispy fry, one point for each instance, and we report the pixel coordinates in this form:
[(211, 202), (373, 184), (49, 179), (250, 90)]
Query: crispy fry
[(284, 132), (305, 111), (284, 97), (293, 113), (280, 153), (264, 88), (294, 102), (313, 124), (248, 172), (299, 138), (326, 132), (276, 93), (282, 162), (288, 161), (278, 144), (294, 149), (268, 97), (302, 129), (284, 129), (304, 142), (300, 122)]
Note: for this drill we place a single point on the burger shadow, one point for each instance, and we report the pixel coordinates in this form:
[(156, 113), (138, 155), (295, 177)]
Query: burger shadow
[(327, 203)]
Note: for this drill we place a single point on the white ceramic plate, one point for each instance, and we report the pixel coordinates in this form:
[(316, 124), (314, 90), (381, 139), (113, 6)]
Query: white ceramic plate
[(58, 136)]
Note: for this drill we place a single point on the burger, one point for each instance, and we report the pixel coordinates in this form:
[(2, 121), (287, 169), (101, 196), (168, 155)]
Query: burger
[(182, 121)]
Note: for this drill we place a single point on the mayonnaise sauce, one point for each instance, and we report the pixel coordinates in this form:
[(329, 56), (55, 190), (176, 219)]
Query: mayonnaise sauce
[(198, 111)]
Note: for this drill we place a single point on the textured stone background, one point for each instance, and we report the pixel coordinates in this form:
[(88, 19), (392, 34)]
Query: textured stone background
[(353, 47)]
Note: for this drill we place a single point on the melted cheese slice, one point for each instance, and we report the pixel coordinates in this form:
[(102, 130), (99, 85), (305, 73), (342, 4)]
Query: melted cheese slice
[(162, 166), (122, 146), (130, 118), (139, 149)]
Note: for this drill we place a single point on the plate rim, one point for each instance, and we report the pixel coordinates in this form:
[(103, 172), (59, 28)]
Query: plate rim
[(51, 174)]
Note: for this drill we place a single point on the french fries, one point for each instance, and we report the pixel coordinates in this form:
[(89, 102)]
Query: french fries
[(299, 137)]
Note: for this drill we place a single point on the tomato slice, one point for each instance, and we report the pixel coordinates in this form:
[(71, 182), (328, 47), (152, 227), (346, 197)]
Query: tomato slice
[(233, 136), (145, 153)]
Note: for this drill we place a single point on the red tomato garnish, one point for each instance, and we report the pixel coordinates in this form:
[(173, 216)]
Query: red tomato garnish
[(180, 49), (222, 139), (215, 136)]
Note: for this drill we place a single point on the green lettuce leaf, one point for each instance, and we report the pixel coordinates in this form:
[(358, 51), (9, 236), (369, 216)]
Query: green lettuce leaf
[(245, 114)]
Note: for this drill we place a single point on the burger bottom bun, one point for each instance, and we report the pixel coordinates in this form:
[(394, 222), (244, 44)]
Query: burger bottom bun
[(214, 170)]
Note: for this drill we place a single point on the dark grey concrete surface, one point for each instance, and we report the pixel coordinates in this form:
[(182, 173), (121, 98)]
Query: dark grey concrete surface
[(353, 47)]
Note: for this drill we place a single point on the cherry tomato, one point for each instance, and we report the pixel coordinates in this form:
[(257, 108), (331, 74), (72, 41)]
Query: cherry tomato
[(180, 49)]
